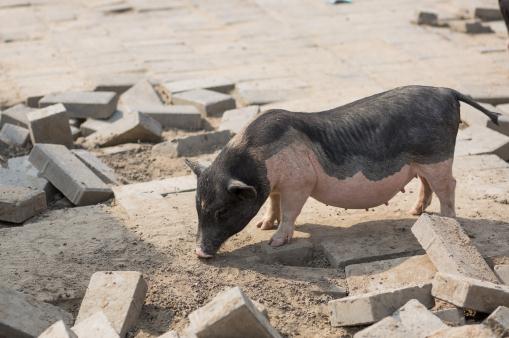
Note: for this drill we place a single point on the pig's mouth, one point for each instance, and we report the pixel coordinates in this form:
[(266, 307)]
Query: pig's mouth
[(202, 254)]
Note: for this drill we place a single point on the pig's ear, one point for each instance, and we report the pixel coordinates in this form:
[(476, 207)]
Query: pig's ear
[(196, 167), (241, 189)]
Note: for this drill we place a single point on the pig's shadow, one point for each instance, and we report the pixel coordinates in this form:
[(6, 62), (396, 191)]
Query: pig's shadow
[(489, 236)]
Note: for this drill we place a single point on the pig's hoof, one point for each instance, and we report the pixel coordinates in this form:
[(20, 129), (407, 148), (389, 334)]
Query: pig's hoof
[(280, 240), (266, 225), (416, 212)]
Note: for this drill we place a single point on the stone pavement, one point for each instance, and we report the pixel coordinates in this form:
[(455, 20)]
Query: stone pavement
[(341, 52)]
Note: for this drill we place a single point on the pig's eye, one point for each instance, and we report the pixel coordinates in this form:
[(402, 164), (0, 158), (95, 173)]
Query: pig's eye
[(220, 214)]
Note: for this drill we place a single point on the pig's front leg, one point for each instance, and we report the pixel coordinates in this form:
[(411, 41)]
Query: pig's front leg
[(272, 214), (292, 202)]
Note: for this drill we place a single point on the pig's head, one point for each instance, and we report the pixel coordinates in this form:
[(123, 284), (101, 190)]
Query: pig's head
[(225, 204)]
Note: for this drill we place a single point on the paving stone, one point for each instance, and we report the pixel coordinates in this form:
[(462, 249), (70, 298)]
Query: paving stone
[(118, 83), (208, 102), (466, 331), (236, 119), (502, 272), (101, 169), (84, 104), (470, 27), (68, 174), (142, 94), (470, 293), (230, 314), (192, 145), (90, 126), (17, 204), (14, 135), (412, 320), (452, 316), (21, 164), (488, 13), (26, 316), (427, 18), (50, 125), (450, 249), (16, 115), (498, 321), (216, 84), (58, 330), (118, 294), (260, 92), (135, 127), (96, 326), (23, 179), (180, 117), (374, 306), (389, 274), (296, 253)]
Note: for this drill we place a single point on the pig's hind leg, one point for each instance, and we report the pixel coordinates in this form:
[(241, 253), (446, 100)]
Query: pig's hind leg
[(424, 199), (439, 176), (272, 214)]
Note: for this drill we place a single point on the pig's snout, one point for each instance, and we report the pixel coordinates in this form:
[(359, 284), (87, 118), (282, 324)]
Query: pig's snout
[(201, 254)]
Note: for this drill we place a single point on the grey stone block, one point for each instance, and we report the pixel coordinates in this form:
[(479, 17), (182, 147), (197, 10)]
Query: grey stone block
[(14, 135), (470, 293), (208, 102), (90, 126), (118, 294), (466, 331), (58, 330), (22, 165), (17, 204), (118, 83), (50, 125), (488, 13), (236, 119), (179, 117), (22, 179), (374, 306), (296, 253), (230, 314), (502, 272), (69, 175), (16, 115), (216, 84), (193, 145), (102, 170), (135, 127), (412, 320), (96, 325), (453, 316), (427, 18), (142, 94), (498, 321), (84, 104), (450, 249), (470, 27), (25, 316)]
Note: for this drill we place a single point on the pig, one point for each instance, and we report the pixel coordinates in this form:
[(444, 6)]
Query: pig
[(356, 156)]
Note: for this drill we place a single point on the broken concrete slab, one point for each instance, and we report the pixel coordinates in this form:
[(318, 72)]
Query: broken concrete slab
[(14, 135), (17, 204), (478, 140), (498, 321), (135, 127), (58, 330), (179, 117), (389, 274), (68, 174), (411, 320), (208, 102), (142, 94), (26, 316), (101, 169), (488, 13), (96, 325), (450, 249), (217, 84), (118, 294), (22, 165), (50, 125), (470, 293), (230, 314), (20, 179), (469, 27), (236, 119), (193, 145), (296, 253), (374, 306), (16, 115), (453, 316), (502, 272), (84, 104), (466, 331)]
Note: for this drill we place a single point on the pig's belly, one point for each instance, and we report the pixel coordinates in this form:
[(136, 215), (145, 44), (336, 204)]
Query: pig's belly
[(358, 192)]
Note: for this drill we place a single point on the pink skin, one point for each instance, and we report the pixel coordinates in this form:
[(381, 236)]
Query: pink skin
[(295, 174)]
